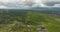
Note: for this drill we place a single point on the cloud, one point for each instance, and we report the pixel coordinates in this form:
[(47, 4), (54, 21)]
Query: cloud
[(4, 7), (13, 4), (20, 2), (23, 3)]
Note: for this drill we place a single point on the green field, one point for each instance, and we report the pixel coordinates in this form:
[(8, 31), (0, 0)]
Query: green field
[(18, 21)]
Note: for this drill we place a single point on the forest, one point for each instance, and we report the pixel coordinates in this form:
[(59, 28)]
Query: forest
[(16, 20)]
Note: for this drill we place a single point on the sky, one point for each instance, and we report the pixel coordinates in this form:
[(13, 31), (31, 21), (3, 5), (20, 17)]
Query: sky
[(23, 3)]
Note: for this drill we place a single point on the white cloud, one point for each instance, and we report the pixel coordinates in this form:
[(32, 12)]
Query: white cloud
[(24, 2), (3, 7), (4, 1)]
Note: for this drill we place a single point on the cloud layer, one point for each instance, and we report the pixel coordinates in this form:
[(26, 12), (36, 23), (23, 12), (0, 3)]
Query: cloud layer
[(19, 3), (23, 3)]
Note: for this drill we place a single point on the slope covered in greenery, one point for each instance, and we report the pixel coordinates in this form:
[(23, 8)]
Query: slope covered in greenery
[(52, 23), (18, 21)]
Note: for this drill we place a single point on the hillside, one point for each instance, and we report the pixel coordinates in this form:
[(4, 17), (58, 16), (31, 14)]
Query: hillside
[(52, 23), (28, 21)]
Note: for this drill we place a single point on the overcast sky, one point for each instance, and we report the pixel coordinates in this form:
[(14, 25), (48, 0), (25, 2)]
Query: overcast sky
[(5, 3)]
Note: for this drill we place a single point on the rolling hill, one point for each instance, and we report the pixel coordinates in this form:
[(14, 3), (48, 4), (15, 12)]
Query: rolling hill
[(22, 21)]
